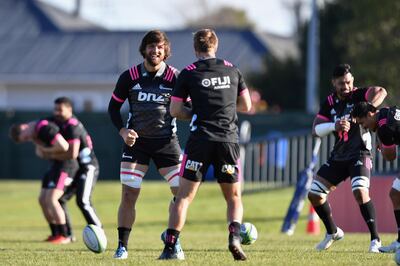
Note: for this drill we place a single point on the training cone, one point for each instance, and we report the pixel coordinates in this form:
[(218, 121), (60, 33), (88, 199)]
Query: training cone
[(313, 222)]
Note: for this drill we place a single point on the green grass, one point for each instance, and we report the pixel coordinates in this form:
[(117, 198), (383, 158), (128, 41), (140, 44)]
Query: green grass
[(204, 238)]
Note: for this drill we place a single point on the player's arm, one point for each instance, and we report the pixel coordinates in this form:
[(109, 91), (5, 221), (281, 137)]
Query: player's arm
[(71, 153), (385, 143), (375, 95), (244, 101), (118, 98), (58, 144), (243, 104), (178, 109)]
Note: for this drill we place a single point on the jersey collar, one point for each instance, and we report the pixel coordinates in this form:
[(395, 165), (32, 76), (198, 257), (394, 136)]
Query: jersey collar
[(159, 72)]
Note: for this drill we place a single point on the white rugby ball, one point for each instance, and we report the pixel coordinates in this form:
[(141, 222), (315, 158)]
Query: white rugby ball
[(94, 238), (248, 233)]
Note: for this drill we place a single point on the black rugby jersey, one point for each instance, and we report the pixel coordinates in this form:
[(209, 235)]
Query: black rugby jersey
[(46, 132), (389, 126), (149, 99), (357, 141), (73, 130), (213, 86)]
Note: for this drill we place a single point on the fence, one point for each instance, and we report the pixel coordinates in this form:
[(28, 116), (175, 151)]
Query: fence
[(276, 161)]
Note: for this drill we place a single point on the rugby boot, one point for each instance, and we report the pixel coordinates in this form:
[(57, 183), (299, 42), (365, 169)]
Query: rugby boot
[(329, 239)]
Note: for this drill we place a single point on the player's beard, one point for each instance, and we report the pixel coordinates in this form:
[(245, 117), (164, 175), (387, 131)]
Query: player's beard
[(153, 61)]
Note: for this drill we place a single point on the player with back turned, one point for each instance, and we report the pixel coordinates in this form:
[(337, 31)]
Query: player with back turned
[(351, 154), (217, 90)]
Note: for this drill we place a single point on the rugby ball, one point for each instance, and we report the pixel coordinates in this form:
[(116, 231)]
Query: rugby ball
[(248, 233), (94, 238)]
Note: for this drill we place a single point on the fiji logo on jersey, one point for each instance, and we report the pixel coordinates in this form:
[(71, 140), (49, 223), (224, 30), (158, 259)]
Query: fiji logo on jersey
[(228, 169), (150, 97), (218, 83), (193, 165)]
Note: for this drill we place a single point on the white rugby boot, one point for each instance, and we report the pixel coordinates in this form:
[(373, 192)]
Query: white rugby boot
[(329, 239), (375, 245), (121, 253)]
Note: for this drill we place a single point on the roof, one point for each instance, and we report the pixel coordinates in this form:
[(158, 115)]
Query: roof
[(37, 45)]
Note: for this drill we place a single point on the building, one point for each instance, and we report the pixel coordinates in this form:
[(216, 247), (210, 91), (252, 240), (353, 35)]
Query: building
[(46, 53)]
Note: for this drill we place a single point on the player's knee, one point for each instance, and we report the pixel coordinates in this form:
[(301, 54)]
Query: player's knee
[(361, 195), (131, 177), (395, 197), (172, 177), (318, 191)]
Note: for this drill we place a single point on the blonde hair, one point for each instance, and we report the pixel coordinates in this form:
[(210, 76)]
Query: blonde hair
[(204, 40)]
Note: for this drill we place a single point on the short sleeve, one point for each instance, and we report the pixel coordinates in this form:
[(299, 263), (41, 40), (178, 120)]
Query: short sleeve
[(180, 92), (122, 87), (241, 84)]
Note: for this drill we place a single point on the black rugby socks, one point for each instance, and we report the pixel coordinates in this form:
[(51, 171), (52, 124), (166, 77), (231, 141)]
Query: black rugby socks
[(368, 212), (123, 236), (324, 212)]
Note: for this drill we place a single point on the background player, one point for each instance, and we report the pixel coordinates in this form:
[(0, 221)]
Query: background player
[(80, 149), (350, 156), (217, 91), (386, 122), (45, 134), (150, 132)]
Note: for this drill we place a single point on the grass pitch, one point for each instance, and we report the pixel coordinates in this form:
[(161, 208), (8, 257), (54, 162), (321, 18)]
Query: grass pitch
[(204, 238)]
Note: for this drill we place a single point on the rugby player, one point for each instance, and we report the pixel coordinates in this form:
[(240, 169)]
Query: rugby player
[(149, 133), (351, 154), (217, 91), (47, 138), (80, 149), (386, 123)]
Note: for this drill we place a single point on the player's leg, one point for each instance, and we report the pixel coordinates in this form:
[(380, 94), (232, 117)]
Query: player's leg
[(328, 176), (177, 217), (68, 194), (395, 198), (193, 168), (360, 171), (167, 156), (47, 215), (131, 178), (226, 170), (86, 180)]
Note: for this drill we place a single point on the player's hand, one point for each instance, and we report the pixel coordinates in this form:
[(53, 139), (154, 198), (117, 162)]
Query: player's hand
[(129, 136), (342, 125)]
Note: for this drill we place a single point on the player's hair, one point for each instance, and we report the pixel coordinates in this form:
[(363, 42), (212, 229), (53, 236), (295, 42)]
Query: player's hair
[(64, 100), (341, 70), (361, 109), (204, 40), (155, 36), (14, 132)]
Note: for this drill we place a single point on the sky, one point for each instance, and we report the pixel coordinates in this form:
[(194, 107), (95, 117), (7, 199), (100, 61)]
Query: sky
[(274, 16)]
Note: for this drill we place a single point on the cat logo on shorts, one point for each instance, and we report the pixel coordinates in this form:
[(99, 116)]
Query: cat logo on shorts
[(193, 165), (229, 169)]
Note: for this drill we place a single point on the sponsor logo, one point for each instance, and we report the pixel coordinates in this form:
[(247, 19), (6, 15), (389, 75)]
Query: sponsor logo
[(228, 168), (193, 165), (150, 97), (358, 163), (126, 156), (333, 111), (137, 87), (397, 115), (51, 184), (164, 88), (218, 83)]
